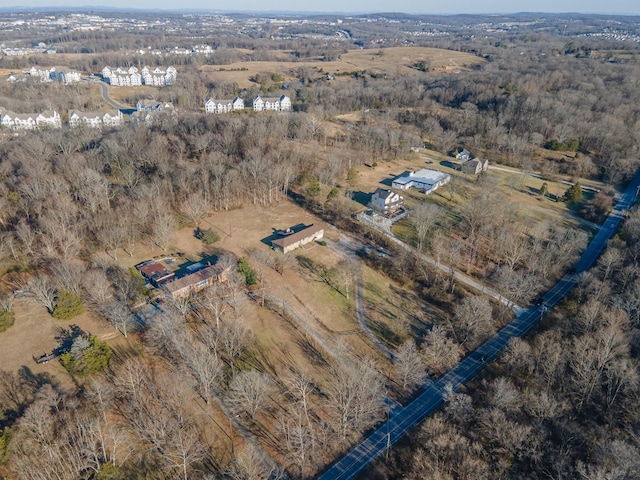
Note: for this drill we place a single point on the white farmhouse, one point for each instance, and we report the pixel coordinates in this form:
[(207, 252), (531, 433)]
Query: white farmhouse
[(426, 179), (385, 200)]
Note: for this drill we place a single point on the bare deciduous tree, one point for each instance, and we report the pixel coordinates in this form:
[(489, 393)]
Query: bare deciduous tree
[(472, 322), (439, 351), (424, 217), (249, 391), (42, 290), (409, 365), (356, 396)]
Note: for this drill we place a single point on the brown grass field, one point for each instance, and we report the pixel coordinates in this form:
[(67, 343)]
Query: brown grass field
[(394, 61)]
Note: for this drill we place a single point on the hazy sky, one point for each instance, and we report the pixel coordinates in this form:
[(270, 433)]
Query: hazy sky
[(631, 7)]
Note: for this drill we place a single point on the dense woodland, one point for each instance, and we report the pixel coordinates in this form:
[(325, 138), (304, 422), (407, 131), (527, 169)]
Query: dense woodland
[(560, 404)]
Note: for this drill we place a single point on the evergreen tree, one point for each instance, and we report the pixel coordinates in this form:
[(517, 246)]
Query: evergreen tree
[(68, 305), (573, 195)]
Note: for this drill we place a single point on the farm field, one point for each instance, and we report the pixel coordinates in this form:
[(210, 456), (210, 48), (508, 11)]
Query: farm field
[(394, 61)]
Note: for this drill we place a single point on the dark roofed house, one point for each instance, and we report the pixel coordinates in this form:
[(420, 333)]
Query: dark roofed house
[(475, 166), (290, 241), (193, 283), (155, 273)]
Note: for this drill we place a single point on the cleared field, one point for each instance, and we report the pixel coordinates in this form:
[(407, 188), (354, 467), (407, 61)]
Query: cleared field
[(395, 61), (519, 190), (34, 333)]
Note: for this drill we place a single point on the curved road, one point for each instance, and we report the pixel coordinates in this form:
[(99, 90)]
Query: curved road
[(107, 98), (434, 395)]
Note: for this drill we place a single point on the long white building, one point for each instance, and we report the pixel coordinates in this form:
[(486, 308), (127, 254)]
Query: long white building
[(29, 121), (131, 77), (426, 179)]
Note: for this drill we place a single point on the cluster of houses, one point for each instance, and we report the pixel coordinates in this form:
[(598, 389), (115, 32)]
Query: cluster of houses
[(23, 51), (149, 110), (259, 104), (198, 276), (29, 121), (110, 118), (131, 77), (46, 74), (469, 165)]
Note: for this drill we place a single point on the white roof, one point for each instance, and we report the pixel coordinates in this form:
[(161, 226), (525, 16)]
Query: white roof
[(425, 175)]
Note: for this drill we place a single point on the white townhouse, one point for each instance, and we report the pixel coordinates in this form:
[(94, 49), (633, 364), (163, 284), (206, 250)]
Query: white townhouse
[(41, 73), (153, 106), (281, 104), (223, 106), (111, 118), (16, 77), (206, 49), (285, 103), (48, 119), (158, 76), (121, 77), (65, 75), (78, 118), (140, 117), (29, 121), (258, 104)]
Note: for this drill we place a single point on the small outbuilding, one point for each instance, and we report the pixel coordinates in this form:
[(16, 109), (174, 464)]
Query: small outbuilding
[(154, 272)]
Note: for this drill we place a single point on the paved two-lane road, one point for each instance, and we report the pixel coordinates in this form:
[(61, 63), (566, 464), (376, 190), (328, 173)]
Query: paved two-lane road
[(434, 395), (105, 95)]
